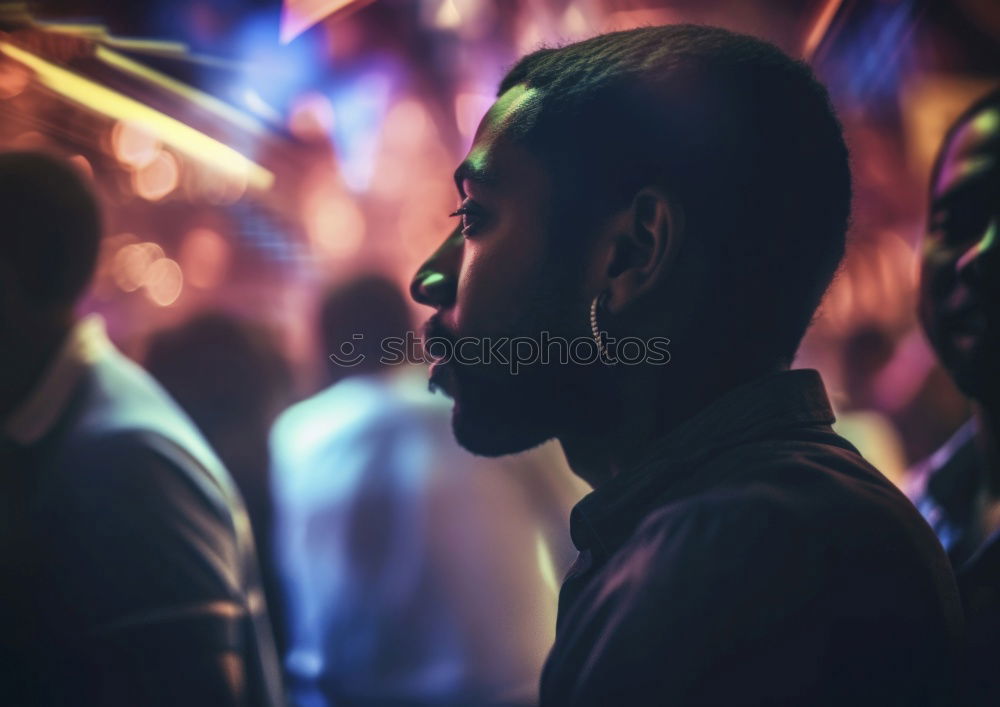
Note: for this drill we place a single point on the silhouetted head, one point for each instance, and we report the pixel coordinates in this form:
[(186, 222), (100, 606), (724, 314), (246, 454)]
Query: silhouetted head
[(356, 318), (227, 373), (51, 235), (49, 238), (695, 177), (960, 284)]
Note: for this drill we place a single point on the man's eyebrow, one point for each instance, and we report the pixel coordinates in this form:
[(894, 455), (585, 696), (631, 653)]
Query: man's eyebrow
[(473, 173)]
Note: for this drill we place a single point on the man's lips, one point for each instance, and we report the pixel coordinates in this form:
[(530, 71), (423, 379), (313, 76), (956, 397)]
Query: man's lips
[(441, 375), (434, 330)]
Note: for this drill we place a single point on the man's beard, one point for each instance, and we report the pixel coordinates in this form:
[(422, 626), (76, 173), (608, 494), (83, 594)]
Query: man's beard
[(496, 416)]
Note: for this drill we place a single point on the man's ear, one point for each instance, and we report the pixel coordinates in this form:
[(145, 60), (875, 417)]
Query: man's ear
[(646, 241)]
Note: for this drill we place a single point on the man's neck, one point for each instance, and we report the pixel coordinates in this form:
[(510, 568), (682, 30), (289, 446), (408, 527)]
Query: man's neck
[(26, 361), (645, 408)]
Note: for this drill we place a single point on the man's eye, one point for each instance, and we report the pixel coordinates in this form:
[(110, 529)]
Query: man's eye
[(471, 216)]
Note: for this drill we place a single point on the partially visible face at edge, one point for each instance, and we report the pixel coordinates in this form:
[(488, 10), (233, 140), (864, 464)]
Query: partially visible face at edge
[(960, 280), (494, 277)]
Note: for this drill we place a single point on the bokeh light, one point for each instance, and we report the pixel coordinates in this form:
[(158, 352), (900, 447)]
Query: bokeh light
[(133, 145), (164, 282), (131, 264), (158, 178), (335, 225), (82, 164), (204, 257), (406, 124), (14, 78), (220, 189), (311, 117), (447, 15)]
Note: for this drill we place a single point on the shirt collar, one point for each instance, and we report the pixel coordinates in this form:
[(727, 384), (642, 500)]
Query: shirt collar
[(932, 477), (945, 490), (84, 344), (607, 516)]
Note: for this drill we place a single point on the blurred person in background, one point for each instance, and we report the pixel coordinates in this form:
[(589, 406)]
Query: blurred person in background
[(690, 183), (958, 488), (230, 376), (128, 571), (416, 573)]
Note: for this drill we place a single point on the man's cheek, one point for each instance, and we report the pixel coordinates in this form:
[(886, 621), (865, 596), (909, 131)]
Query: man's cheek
[(491, 305)]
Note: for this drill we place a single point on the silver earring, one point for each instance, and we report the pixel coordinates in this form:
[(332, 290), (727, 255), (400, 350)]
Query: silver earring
[(594, 329)]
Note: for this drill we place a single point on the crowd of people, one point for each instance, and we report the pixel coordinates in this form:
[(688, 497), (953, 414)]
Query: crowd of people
[(184, 533)]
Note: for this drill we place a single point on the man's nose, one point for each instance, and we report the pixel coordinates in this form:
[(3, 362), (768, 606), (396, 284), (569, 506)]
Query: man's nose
[(436, 280)]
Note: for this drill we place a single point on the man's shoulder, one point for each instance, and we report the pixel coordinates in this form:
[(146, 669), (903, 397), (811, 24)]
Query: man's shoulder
[(724, 524), (121, 421), (766, 557), (817, 477), (125, 461), (820, 502), (808, 454), (146, 464)]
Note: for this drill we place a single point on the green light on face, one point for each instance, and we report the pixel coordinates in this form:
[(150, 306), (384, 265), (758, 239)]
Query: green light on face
[(432, 279), (506, 109), (981, 247), (990, 238), (975, 165), (986, 123), (477, 158), (966, 156)]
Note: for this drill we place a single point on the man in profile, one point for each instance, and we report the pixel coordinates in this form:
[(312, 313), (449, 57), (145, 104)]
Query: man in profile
[(690, 184), (958, 488), (126, 560)]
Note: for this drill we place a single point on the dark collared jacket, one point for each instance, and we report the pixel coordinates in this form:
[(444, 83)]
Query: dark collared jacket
[(754, 558)]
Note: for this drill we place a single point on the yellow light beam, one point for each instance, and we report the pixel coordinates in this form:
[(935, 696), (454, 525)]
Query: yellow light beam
[(84, 30), (179, 88), (149, 46), (156, 47), (167, 50), (185, 139)]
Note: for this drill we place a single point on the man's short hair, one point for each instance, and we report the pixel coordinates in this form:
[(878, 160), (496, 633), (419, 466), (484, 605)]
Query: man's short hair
[(51, 227), (744, 136)]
